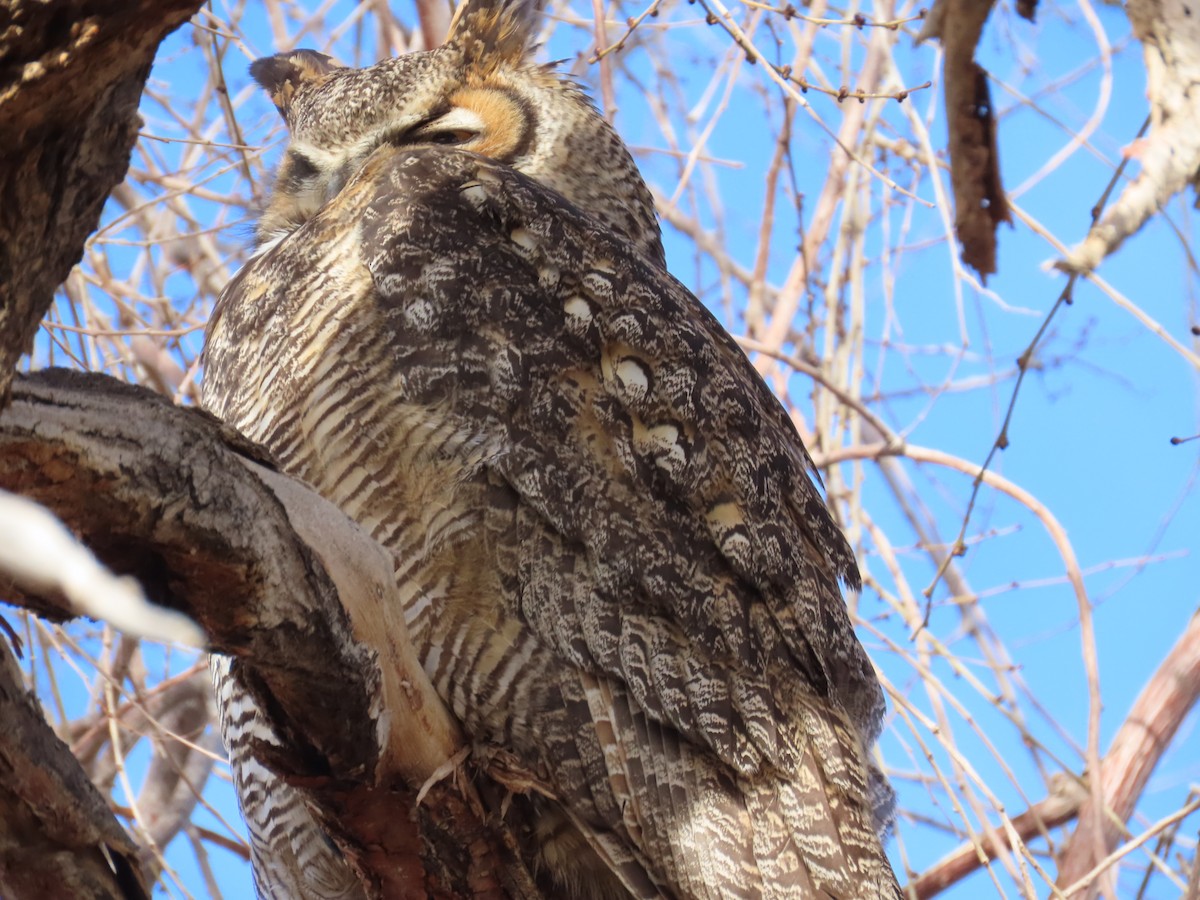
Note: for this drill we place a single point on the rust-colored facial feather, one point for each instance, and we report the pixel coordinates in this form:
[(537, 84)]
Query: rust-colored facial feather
[(506, 122)]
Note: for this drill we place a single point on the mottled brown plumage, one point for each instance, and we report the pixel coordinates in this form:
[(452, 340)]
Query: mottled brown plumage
[(612, 554)]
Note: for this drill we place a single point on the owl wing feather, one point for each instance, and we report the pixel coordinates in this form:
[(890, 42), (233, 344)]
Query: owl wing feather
[(636, 576), (660, 532)]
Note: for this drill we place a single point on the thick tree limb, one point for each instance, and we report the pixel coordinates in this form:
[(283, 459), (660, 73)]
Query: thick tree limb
[(1143, 738), (71, 77), (280, 578), (1170, 156), (169, 503)]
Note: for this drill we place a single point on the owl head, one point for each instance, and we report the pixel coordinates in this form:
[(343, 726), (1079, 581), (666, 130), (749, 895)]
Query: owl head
[(480, 92)]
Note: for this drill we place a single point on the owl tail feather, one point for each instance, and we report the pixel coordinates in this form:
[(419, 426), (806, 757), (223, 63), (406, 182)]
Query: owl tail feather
[(699, 830)]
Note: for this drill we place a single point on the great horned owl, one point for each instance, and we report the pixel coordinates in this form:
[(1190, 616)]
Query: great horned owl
[(615, 564)]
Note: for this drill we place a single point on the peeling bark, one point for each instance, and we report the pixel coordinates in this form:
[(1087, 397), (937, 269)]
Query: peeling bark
[(1170, 155), (979, 202)]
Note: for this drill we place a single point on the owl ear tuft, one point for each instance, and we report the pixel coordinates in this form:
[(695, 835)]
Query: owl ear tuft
[(492, 32), (284, 74)]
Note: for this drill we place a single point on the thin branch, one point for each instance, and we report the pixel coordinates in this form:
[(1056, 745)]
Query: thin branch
[(1060, 807)]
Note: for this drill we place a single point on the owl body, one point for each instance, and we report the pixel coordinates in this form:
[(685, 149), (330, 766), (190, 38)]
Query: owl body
[(612, 558)]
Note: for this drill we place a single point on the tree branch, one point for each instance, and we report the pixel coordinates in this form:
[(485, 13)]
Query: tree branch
[(281, 579), (57, 835), (1060, 806), (71, 78), (1170, 155), (979, 201), (1143, 738)]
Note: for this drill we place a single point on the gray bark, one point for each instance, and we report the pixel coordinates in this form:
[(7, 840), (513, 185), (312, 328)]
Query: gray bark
[(281, 579), (71, 76)]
